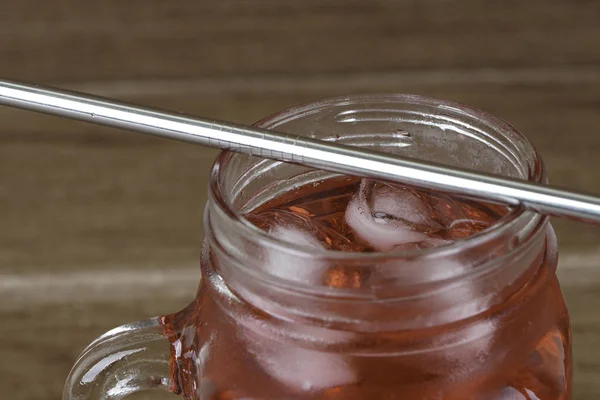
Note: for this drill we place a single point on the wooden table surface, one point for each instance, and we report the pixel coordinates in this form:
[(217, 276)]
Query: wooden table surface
[(100, 227)]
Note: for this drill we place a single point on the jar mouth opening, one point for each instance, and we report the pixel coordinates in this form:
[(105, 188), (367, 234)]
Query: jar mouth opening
[(515, 219)]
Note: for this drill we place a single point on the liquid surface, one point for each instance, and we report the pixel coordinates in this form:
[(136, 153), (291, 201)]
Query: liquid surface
[(352, 215)]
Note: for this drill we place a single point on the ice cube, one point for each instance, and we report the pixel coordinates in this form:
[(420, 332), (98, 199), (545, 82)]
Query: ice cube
[(297, 354), (510, 393), (289, 265), (401, 203), (329, 237), (386, 217), (306, 370), (298, 230)]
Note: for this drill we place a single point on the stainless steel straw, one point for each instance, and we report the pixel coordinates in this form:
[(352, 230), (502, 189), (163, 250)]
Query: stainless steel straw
[(301, 150)]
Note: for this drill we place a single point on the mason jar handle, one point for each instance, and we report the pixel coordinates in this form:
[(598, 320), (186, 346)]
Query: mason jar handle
[(128, 359)]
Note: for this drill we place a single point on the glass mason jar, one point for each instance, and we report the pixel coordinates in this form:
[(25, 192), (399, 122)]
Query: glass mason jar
[(482, 318)]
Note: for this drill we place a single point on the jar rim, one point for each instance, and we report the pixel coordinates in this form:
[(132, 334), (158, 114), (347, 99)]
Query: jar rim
[(515, 218)]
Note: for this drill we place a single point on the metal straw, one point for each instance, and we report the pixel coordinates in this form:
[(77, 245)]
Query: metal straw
[(302, 150)]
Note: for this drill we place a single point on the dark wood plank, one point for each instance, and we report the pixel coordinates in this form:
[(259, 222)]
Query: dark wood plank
[(71, 40)]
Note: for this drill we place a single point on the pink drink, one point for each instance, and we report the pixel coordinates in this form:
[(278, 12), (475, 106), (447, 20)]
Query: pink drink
[(253, 353)]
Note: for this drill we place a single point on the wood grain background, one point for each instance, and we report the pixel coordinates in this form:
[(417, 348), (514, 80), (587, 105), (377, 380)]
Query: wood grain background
[(99, 227)]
